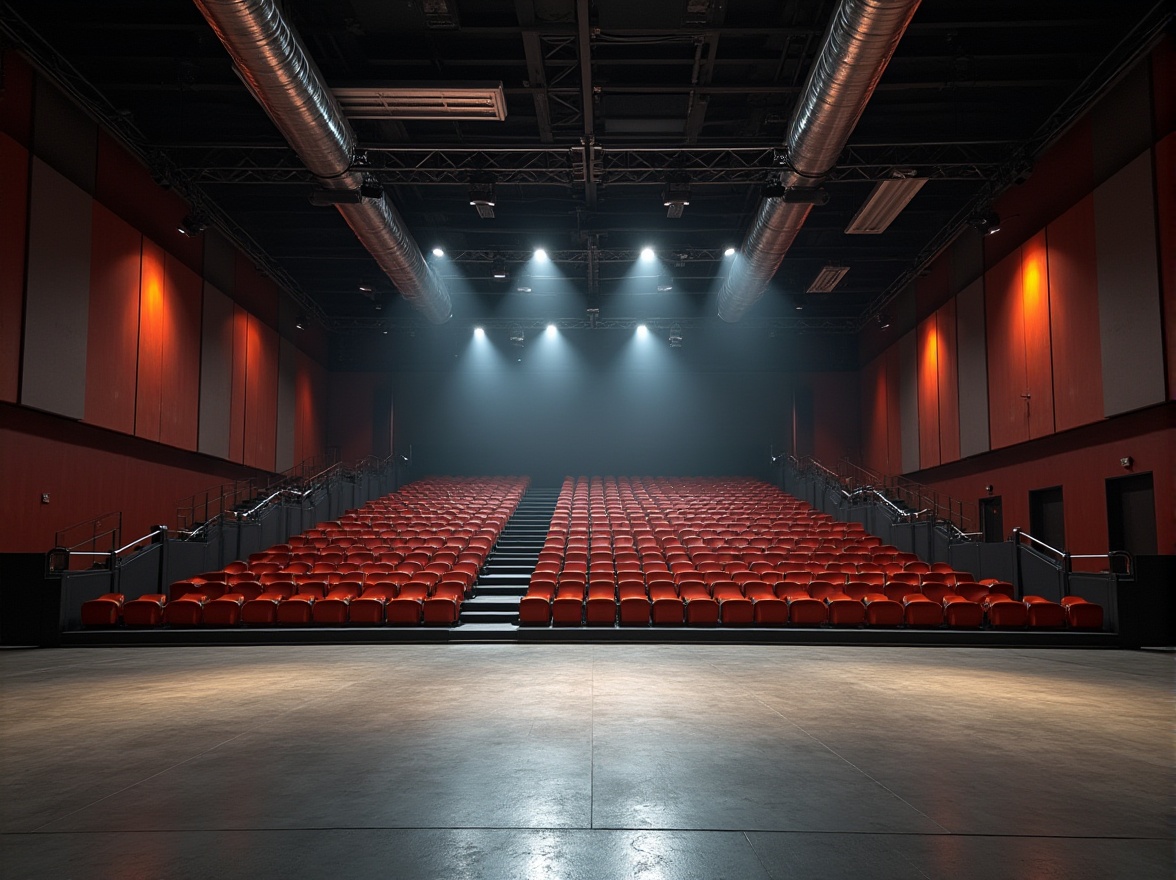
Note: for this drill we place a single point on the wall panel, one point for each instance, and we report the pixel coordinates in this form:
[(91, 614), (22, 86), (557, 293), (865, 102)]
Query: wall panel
[(908, 400), (287, 403), (309, 409), (180, 398), (835, 417), (216, 373), (152, 306), (894, 425), (255, 292), (873, 401), (261, 395), (16, 99), (14, 192), (112, 349), (1073, 312), (63, 136), (57, 300), (972, 348), (1129, 290), (238, 387), (949, 404), (1035, 287), (1005, 326), (1165, 164), (928, 392)]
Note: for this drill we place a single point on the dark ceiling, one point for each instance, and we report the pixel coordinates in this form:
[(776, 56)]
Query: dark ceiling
[(695, 92)]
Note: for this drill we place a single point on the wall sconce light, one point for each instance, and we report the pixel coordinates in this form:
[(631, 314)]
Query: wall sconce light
[(988, 488), (1127, 461)]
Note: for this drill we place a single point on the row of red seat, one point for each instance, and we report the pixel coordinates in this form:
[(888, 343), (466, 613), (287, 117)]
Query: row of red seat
[(639, 552), (410, 558)]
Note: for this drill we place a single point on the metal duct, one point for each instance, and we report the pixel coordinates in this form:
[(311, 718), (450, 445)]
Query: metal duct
[(285, 81), (855, 51)]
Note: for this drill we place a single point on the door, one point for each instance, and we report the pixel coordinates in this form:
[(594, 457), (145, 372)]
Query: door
[(992, 519), (1131, 515), (1047, 520)]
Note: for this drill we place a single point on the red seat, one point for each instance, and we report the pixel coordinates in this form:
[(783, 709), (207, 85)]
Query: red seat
[(534, 610), (1044, 614), (296, 610), (105, 610), (332, 609), (185, 611), (1081, 614), (804, 610), (701, 608), (370, 609), (443, 608), (145, 611), (769, 611), (918, 610), (567, 610), (600, 609), (959, 613), (844, 610), (882, 611), (667, 609), (972, 592), (735, 609), (1005, 613), (634, 610)]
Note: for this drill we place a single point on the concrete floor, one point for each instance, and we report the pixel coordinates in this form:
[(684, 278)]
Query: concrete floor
[(585, 761)]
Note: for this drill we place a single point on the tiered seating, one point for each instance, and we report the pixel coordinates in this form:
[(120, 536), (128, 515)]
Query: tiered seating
[(407, 559), (695, 552)]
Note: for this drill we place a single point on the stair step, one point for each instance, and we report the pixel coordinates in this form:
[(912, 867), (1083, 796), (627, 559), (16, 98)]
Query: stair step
[(501, 590), (491, 603), (490, 616)]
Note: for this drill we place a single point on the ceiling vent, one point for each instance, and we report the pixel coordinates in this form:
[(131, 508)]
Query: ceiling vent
[(424, 101)]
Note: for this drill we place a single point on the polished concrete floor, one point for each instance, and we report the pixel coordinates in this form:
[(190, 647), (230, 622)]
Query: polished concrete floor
[(585, 761)]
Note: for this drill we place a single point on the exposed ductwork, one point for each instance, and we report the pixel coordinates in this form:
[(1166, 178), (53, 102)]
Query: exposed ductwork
[(285, 81), (855, 51)]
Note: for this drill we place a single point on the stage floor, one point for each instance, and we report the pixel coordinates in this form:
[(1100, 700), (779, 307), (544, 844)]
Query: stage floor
[(596, 760)]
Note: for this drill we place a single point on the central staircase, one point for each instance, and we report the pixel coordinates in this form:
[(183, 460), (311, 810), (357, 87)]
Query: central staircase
[(508, 568)]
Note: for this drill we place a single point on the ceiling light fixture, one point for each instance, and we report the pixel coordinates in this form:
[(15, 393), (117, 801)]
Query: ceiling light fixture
[(647, 253), (540, 254), (479, 333), (517, 336), (665, 281), (729, 252), (499, 271), (552, 331), (438, 252), (675, 337), (642, 331), (192, 225), (482, 198), (883, 319), (675, 198), (828, 278), (986, 223), (886, 201)]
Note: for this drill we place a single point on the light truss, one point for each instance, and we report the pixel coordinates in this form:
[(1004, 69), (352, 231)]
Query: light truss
[(580, 256), (566, 166), (656, 325)]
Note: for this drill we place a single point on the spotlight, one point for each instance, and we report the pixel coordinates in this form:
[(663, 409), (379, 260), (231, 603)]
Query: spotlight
[(438, 252), (552, 331), (517, 336), (479, 333), (192, 225), (647, 253), (729, 252), (540, 254), (499, 270), (986, 223), (365, 287), (482, 199), (642, 331), (675, 198)]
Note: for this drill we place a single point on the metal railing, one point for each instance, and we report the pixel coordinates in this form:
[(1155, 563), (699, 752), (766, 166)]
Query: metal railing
[(1118, 562)]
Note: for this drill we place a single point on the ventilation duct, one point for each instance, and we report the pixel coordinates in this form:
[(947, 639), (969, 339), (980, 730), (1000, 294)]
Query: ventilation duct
[(280, 74), (854, 52)]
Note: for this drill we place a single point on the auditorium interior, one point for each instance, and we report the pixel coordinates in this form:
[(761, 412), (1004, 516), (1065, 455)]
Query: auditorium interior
[(579, 438)]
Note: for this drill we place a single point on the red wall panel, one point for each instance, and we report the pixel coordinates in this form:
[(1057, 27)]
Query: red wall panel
[(149, 392), (181, 376), (14, 196), (1035, 312), (873, 400), (255, 292), (928, 391), (237, 401), (835, 416), (359, 423), (1082, 473), (16, 98), (310, 401), (949, 403), (1073, 313), (933, 288), (87, 472), (1007, 420), (1060, 178), (112, 349), (126, 187), (261, 396), (1165, 165), (893, 414)]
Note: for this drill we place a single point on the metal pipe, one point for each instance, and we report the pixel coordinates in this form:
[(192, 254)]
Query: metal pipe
[(282, 77), (856, 48)]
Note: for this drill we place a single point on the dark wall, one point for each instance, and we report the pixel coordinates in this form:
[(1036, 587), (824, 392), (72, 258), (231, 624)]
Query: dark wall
[(593, 402)]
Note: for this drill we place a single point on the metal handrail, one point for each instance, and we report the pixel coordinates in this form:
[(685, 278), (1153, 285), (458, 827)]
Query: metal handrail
[(1018, 534)]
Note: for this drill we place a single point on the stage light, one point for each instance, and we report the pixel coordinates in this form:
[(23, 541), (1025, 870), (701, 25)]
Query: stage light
[(499, 270), (642, 331), (540, 254), (647, 253), (729, 252), (192, 225), (438, 252), (479, 333), (552, 331)]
